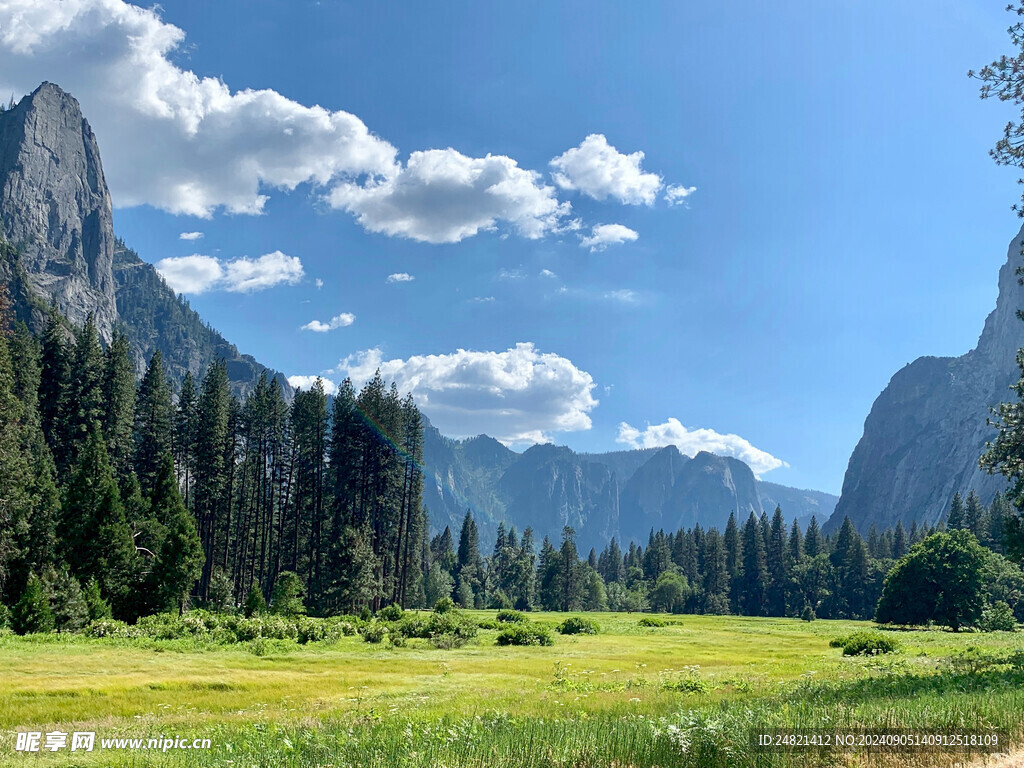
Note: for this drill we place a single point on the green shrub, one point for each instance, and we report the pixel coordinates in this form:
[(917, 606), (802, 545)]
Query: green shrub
[(254, 603), (525, 634), (391, 612), (808, 614), (374, 633), (110, 628), (998, 617), (577, 625), (32, 612), (509, 616), (5, 616), (865, 643), (489, 624), (286, 599), (444, 605), (652, 621)]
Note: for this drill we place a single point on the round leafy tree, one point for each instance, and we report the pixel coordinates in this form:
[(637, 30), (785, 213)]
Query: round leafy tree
[(939, 580)]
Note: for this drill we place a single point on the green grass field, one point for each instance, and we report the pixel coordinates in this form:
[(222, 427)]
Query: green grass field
[(687, 694)]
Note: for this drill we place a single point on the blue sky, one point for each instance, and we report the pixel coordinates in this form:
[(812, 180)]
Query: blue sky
[(846, 217)]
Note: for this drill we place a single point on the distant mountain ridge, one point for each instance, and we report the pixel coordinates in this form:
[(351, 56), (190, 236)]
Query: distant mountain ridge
[(56, 218), (624, 494)]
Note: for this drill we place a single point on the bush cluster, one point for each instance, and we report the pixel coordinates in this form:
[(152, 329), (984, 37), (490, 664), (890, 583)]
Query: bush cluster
[(228, 627), (998, 617), (577, 625), (526, 633), (652, 621), (449, 629), (865, 643), (509, 616)]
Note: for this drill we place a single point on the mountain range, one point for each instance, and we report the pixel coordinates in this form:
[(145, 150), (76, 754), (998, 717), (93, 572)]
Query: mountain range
[(59, 248)]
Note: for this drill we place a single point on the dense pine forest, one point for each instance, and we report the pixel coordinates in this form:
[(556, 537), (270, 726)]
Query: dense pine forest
[(132, 499)]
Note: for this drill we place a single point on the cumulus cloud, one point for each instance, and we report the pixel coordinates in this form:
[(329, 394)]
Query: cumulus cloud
[(318, 283), (519, 395), (599, 170), (690, 442), (547, 273), (191, 274), (306, 383), (443, 196), (199, 273), (676, 194), (603, 235), (171, 138), (511, 274), (400, 277), (482, 299), (338, 321), (190, 236)]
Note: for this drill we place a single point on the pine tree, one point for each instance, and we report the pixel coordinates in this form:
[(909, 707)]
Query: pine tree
[(813, 543), (715, 593), (85, 402), (778, 564), (67, 602), (753, 579), (98, 541), (976, 518), (32, 612), (571, 576), (153, 417), (179, 562), (899, 541), (119, 404), (54, 382), (955, 519), (211, 475), (733, 561), (186, 426), (470, 565)]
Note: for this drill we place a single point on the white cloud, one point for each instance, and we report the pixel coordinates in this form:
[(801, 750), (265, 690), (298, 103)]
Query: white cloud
[(306, 383), (511, 274), (691, 441), (169, 137), (318, 283), (598, 170), (443, 196), (248, 275), (400, 277), (623, 295), (338, 321), (603, 235), (676, 194), (519, 395), (547, 273), (482, 299), (191, 274), (190, 236), (198, 273)]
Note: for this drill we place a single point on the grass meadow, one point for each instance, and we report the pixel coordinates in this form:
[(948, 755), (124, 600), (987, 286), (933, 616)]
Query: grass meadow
[(686, 694)]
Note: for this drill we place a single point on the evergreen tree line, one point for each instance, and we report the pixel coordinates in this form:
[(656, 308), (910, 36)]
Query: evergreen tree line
[(134, 501)]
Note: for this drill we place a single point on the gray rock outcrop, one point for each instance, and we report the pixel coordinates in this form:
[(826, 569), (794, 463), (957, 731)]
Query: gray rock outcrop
[(927, 429), (55, 207)]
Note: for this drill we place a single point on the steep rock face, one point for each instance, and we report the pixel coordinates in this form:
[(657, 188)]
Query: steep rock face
[(55, 207), (549, 487), (56, 221), (926, 430), (648, 492), (710, 488)]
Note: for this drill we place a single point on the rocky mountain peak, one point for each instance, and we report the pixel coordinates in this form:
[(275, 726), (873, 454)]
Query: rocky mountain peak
[(927, 429), (55, 207)]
